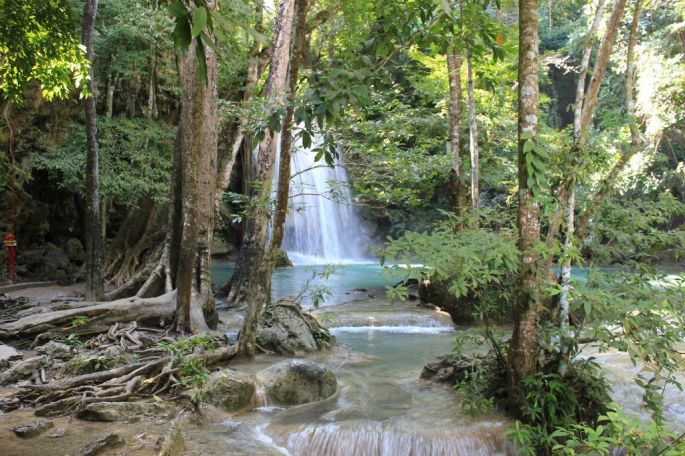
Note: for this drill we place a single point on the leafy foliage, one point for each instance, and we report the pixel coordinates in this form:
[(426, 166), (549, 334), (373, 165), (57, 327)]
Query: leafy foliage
[(38, 43), (135, 159)]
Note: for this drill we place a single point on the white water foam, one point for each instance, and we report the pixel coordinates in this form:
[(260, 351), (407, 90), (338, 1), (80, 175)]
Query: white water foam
[(394, 329)]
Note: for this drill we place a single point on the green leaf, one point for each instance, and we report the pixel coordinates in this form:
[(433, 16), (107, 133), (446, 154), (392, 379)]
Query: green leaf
[(181, 34), (201, 63), (176, 9), (199, 21)]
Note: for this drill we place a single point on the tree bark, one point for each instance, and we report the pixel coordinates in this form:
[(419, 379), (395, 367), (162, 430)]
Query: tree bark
[(247, 285), (197, 143), (454, 63), (473, 135), (93, 238), (522, 356)]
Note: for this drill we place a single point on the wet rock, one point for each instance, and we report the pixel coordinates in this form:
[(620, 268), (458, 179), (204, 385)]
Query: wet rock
[(22, 369), (297, 381), (7, 354), (125, 411), (287, 329), (172, 443), (7, 404), (54, 349), (59, 432), (33, 428), (230, 390), (438, 293), (282, 259), (95, 447), (449, 368)]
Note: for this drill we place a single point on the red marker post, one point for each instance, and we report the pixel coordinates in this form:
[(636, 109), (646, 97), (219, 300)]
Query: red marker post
[(11, 245)]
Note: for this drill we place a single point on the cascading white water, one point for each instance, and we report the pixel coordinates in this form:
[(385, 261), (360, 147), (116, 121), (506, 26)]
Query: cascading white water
[(322, 225)]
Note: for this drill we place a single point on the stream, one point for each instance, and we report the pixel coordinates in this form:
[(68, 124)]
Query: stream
[(382, 408)]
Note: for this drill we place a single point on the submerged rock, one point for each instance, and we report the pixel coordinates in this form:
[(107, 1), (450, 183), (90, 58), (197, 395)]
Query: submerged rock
[(449, 368), (172, 443), (230, 390), (33, 428), (125, 411), (110, 440), (287, 329), (298, 381), (22, 369)]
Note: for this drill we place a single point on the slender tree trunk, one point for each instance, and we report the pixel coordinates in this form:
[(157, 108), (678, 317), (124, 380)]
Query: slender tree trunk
[(581, 124), (473, 134), (637, 142), (283, 190), (227, 157), (152, 86), (522, 359), (197, 141), (111, 87), (250, 265), (454, 63), (605, 48), (94, 256)]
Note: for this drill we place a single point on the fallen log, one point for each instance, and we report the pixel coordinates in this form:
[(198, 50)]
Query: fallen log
[(158, 311)]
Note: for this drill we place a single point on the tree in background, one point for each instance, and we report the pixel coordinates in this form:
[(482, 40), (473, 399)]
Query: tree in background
[(95, 287)]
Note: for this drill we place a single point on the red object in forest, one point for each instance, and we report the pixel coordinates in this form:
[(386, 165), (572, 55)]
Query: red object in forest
[(11, 245)]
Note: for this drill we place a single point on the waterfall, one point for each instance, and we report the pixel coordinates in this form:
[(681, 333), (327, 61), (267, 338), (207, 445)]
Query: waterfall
[(322, 225)]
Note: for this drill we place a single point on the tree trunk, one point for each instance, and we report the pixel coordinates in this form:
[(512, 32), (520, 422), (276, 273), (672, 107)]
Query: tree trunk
[(581, 124), (473, 134), (197, 142), (605, 48), (522, 357), (454, 62), (152, 86), (248, 284), (227, 157), (93, 238), (109, 103), (637, 142)]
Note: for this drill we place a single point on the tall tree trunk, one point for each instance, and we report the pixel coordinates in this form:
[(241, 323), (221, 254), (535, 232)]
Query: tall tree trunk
[(247, 285), (454, 63), (473, 134), (94, 256), (522, 359), (197, 142)]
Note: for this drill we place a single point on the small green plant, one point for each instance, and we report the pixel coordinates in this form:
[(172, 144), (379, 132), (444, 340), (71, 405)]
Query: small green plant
[(316, 293), (79, 320)]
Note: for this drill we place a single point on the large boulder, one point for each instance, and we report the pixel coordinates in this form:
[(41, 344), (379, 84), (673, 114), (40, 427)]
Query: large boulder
[(285, 328), (230, 390), (297, 381)]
